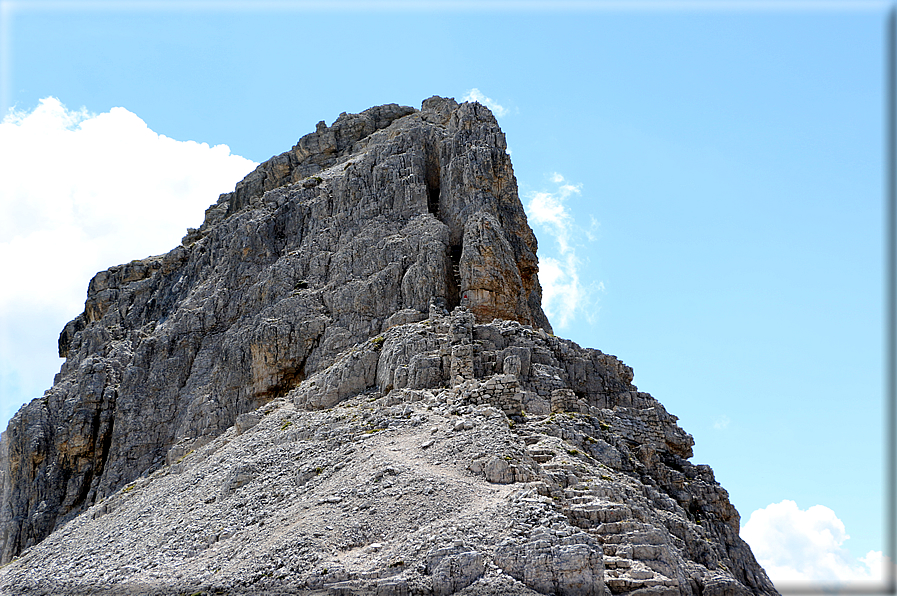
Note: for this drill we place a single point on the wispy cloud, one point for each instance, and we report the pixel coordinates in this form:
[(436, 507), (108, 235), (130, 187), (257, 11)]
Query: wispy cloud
[(477, 95), (797, 546), (80, 192), (722, 422), (550, 210), (563, 294)]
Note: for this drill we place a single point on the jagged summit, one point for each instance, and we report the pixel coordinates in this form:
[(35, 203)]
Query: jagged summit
[(417, 154), (343, 382)]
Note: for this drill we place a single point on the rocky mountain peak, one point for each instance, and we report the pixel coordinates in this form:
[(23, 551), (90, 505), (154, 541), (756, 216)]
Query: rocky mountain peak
[(343, 382), (362, 225)]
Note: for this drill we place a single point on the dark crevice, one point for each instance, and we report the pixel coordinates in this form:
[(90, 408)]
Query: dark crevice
[(433, 199), (289, 380), (453, 283), (106, 446), (432, 175), (695, 513)]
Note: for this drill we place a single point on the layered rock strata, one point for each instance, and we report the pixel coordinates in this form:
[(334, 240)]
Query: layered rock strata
[(343, 382)]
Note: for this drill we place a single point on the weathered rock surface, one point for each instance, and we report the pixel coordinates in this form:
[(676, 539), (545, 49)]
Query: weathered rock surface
[(343, 383), (426, 487)]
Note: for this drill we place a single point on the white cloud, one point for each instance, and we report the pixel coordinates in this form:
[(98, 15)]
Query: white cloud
[(798, 546), (551, 211), (477, 95), (81, 192), (563, 294), (722, 422), (591, 233)]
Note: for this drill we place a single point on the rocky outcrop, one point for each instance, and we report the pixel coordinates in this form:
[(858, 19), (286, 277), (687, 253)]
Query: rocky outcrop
[(343, 382), (422, 486)]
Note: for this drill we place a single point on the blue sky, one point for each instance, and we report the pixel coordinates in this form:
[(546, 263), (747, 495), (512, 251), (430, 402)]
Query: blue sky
[(706, 181)]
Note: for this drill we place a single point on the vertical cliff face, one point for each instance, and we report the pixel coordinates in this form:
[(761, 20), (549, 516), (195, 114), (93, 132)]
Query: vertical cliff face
[(363, 225)]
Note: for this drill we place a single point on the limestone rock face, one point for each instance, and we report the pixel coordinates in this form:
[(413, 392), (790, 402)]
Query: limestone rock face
[(343, 382)]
